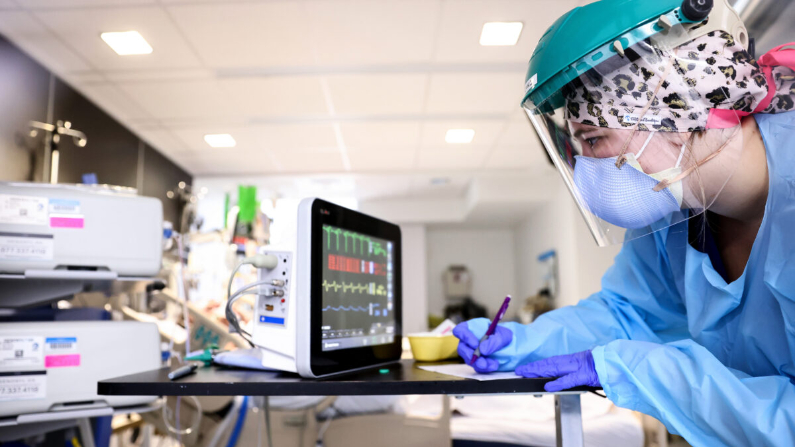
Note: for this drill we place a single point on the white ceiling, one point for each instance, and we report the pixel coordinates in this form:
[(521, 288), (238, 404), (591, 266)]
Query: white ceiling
[(306, 87)]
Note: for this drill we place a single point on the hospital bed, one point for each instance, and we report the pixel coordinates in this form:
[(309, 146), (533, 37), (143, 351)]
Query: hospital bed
[(522, 420)]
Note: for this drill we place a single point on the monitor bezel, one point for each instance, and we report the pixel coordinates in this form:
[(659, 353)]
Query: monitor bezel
[(331, 362)]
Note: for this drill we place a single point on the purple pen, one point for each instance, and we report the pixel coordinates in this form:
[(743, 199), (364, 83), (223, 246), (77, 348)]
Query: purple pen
[(492, 327)]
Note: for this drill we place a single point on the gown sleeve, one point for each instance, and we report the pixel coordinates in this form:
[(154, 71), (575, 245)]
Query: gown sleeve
[(638, 301), (684, 386)]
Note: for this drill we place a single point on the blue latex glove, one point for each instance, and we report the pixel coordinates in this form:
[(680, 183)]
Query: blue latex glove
[(572, 370), (469, 334)]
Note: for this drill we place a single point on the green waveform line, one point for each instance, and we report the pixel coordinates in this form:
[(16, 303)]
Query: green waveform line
[(360, 288), (359, 243), (336, 232), (378, 250)]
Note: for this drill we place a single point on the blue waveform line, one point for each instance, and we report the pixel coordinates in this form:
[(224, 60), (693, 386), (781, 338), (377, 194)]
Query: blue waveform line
[(352, 308)]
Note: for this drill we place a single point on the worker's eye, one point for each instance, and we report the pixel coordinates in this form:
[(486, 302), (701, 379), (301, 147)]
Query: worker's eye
[(592, 141)]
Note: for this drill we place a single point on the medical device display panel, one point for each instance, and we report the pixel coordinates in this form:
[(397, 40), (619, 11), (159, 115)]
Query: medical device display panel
[(349, 281), (357, 289)]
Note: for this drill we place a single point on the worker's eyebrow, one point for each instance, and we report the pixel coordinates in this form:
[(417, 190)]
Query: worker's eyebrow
[(583, 131)]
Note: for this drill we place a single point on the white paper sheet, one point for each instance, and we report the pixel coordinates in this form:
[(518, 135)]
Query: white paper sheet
[(466, 371)]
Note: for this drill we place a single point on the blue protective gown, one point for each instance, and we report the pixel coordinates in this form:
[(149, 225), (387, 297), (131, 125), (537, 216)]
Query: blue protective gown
[(715, 362)]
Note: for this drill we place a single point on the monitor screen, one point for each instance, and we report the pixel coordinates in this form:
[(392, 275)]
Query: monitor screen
[(357, 290)]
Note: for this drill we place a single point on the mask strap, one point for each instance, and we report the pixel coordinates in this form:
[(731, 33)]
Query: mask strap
[(668, 182), (621, 157), (643, 148), (681, 154)]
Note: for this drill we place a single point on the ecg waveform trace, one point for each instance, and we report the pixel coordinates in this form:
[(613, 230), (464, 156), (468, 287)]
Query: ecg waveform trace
[(348, 309), (368, 288), (353, 243)]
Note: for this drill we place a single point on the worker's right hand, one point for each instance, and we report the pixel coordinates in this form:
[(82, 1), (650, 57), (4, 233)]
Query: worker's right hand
[(469, 334)]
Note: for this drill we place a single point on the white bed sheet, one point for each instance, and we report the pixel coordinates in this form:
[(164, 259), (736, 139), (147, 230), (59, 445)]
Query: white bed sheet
[(342, 406), (618, 427), (528, 420)]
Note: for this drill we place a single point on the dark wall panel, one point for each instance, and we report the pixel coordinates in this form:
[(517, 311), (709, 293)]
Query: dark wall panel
[(112, 150), (161, 176), (23, 97)]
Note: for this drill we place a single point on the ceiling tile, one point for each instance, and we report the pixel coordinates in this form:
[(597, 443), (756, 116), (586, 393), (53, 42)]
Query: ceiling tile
[(462, 22), (378, 94), (370, 32), (83, 77), (300, 161), (247, 139), (381, 185), (486, 132), (453, 159), (264, 34), (382, 160), (377, 135), (81, 30), (285, 96), (476, 93), (307, 137), (231, 162), (114, 101), (516, 158), (193, 74), (8, 4), (184, 99), (30, 35), (63, 4), (519, 133), (321, 185), (427, 185)]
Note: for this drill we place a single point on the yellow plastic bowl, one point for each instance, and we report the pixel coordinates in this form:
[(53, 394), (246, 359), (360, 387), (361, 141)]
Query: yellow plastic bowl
[(433, 348)]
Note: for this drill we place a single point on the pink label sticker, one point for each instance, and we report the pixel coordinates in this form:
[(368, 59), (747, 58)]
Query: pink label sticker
[(66, 222), (61, 361)]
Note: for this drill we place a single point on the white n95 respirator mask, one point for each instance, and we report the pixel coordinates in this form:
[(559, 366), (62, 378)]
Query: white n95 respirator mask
[(625, 196)]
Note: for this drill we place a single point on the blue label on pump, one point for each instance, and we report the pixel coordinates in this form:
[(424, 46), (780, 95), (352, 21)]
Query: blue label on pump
[(274, 320), (63, 206)]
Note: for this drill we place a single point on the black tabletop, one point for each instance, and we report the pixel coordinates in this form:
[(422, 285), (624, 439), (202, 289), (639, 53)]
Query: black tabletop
[(397, 379)]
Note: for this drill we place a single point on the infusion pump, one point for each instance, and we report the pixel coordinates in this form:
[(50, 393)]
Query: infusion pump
[(108, 232)]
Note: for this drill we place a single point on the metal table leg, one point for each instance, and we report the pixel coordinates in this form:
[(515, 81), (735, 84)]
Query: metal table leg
[(568, 420), (86, 432)]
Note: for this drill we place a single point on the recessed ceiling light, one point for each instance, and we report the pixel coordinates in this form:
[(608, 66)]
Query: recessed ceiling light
[(459, 136), (500, 33), (220, 140), (127, 43)]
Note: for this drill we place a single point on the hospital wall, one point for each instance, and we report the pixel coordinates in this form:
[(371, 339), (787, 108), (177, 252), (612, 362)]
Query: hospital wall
[(488, 253), (557, 225), (415, 278), (28, 91)]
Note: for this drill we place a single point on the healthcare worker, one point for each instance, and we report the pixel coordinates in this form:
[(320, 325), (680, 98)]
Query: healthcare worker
[(673, 138)]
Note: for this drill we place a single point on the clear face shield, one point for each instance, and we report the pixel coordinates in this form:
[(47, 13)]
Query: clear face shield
[(628, 135)]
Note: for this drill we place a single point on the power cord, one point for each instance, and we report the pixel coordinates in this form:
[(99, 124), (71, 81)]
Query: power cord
[(261, 262)]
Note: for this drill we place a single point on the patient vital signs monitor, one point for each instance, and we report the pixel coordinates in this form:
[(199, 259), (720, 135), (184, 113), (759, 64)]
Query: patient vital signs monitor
[(358, 289), (333, 304)]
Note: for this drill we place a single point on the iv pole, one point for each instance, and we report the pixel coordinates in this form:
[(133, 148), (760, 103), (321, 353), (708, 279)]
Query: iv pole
[(51, 140)]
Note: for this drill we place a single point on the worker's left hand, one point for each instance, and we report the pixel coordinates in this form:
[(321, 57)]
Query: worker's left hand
[(572, 370)]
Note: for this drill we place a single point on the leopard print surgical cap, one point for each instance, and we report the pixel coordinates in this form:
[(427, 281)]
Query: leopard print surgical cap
[(710, 72)]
